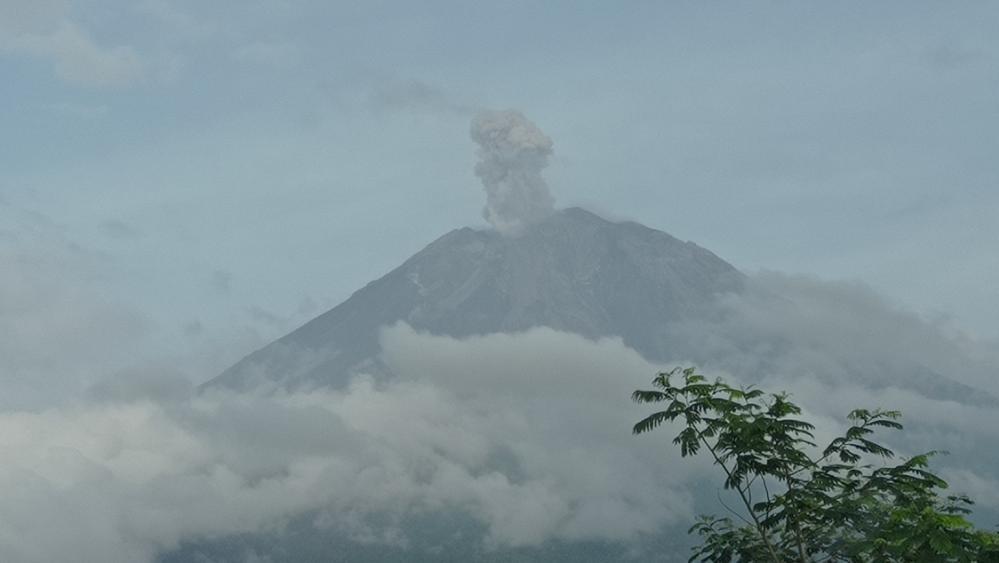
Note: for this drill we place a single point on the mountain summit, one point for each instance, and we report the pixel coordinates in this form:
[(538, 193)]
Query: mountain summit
[(574, 272)]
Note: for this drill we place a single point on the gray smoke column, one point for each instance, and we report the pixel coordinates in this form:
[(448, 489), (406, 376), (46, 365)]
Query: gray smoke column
[(512, 153)]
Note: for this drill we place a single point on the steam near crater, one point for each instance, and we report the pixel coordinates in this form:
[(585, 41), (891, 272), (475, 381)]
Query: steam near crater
[(512, 154)]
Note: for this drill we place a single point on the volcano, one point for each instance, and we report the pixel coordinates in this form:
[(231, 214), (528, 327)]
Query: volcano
[(574, 272)]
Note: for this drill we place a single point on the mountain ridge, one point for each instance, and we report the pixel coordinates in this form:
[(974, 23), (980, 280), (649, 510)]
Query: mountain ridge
[(574, 272)]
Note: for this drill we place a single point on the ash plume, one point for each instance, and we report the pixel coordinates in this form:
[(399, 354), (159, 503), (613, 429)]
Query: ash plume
[(512, 153)]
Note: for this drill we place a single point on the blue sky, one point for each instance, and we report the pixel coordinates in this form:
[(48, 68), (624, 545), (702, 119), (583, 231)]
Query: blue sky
[(219, 172)]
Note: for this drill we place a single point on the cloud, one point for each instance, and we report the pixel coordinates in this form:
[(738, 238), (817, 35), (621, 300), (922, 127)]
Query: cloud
[(522, 438), (45, 30), (415, 95), (836, 346), (836, 332), (68, 324), (152, 382), (525, 437), (61, 332), (512, 154), (543, 454), (261, 315)]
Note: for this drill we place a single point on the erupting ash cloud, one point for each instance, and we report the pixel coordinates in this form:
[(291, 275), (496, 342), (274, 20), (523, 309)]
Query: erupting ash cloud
[(512, 154)]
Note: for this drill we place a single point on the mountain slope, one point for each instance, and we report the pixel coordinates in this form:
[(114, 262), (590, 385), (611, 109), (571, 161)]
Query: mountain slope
[(574, 272)]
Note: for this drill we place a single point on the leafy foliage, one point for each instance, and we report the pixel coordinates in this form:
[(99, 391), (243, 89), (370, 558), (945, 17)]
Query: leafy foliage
[(845, 502)]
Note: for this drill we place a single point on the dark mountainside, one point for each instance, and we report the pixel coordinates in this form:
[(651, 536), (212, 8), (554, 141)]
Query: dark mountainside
[(573, 272)]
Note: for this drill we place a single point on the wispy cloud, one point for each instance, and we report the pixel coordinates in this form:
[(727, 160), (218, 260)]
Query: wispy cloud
[(415, 95), (61, 331), (45, 30)]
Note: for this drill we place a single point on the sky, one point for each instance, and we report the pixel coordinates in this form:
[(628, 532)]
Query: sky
[(236, 167), (181, 182)]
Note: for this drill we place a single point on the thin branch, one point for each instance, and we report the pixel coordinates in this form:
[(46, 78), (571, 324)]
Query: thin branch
[(745, 501), (797, 525), (766, 489), (727, 507)]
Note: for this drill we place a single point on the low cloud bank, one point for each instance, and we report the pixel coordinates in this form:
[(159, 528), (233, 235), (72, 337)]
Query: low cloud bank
[(527, 436)]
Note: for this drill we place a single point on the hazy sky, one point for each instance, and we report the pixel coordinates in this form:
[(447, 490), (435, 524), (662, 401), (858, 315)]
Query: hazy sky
[(183, 181), (214, 173)]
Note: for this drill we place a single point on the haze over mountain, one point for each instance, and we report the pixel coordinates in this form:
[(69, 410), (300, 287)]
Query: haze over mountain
[(573, 272), (499, 323), (545, 325), (185, 182)]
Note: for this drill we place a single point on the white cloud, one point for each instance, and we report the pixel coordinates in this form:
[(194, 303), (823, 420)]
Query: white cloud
[(528, 434), (836, 332), (126, 480), (983, 490), (46, 30)]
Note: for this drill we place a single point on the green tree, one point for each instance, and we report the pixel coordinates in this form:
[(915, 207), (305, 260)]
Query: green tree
[(846, 502)]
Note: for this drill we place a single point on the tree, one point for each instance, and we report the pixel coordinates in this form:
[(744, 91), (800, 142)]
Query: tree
[(842, 503)]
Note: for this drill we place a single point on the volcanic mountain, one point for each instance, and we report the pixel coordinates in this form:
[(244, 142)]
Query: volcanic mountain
[(573, 272), (671, 301)]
